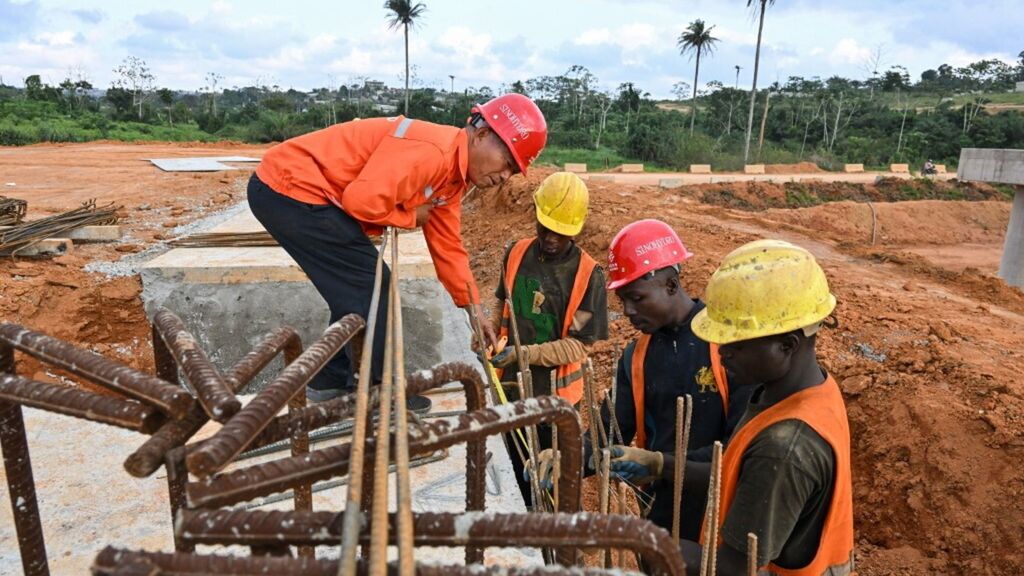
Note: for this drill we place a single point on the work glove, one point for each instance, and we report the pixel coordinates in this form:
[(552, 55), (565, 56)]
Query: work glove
[(545, 469), (636, 465), (508, 357)]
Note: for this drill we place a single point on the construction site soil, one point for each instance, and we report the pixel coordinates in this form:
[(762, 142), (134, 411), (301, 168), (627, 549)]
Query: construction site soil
[(927, 349)]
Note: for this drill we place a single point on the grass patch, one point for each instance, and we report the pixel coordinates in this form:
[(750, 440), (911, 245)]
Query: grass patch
[(596, 160)]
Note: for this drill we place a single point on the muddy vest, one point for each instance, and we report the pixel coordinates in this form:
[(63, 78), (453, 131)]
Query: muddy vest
[(637, 378), (822, 408), (568, 377)]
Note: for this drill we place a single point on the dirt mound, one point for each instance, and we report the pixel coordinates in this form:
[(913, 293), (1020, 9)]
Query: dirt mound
[(798, 168), (928, 359), (901, 223)]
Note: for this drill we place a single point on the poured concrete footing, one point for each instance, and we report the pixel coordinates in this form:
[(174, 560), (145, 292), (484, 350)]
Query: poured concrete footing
[(230, 297)]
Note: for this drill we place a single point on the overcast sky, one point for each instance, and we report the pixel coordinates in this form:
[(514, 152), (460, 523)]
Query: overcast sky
[(308, 43)]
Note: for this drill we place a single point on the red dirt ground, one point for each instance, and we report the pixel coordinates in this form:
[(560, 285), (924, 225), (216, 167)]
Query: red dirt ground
[(928, 349)]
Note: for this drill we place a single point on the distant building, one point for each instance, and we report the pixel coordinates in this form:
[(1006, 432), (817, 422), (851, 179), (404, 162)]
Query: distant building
[(374, 85), (1020, 87)]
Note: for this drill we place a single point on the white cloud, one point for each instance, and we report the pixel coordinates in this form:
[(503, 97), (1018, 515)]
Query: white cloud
[(848, 51), (593, 37)]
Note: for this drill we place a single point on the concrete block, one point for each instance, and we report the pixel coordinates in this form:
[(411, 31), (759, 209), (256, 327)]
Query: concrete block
[(853, 168), (670, 182), (632, 168), (96, 234), (48, 247), (753, 169), (1011, 268), (700, 168), (991, 165), (940, 168), (899, 168), (1019, 87), (601, 178), (577, 168), (229, 297)]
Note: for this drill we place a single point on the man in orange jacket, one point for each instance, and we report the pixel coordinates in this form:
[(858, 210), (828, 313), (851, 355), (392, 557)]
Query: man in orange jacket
[(786, 470), (322, 194)]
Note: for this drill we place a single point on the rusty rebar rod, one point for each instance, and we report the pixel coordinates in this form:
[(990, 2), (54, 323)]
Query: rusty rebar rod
[(560, 531), (709, 558), (165, 396), (382, 449), (354, 494), (148, 457), (279, 475), (240, 430), (120, 562), (684, 414), (212, 391), (69, 401), (21, 485), (403, 492)]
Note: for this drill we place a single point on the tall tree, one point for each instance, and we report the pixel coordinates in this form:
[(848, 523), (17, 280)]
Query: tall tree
[(696, 39), (134, 76), (762, 5), (404, 14)]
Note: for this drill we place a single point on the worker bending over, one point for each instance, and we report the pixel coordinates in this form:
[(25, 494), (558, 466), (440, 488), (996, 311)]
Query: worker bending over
[(321, 196), (559, 300), (786, 470)]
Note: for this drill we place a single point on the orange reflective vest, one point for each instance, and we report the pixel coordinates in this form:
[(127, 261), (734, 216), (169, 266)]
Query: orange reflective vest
[(568, 377), (637, 378), (822, 408)]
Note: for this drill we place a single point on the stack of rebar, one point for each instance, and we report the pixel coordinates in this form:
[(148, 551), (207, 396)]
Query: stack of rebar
[(219, 240), (12, 211), (25, 234)]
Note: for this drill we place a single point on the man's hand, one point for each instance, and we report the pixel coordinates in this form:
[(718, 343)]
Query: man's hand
[(545, 468), (423, 214), (508, 356), (636, 465), (490, 336)]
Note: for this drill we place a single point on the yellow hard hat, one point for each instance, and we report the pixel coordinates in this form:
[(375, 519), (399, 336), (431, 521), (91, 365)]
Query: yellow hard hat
[(764, 288), (561, 201)]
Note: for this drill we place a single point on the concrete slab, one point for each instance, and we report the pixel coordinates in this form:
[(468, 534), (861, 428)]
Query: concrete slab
[(991, 165), (853, 168), (577, 168), (899, 168), (190, 165), (753, 169), (670, 182), (87, 501), (601, 177), (700, 168), (940, 168), (631, 168), (110, 233)]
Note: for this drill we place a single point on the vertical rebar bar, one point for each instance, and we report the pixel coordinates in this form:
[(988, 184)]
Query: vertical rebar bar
[(353, 517), (177, 482), (21, 485), (684, 412), (709, 559), (403, 492)]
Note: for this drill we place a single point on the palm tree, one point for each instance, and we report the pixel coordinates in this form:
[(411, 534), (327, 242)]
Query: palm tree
[(698, 39), (757, 62), (405, 14)]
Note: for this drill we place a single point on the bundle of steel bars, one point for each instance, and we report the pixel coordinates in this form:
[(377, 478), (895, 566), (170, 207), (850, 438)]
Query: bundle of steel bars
[(222, 240), (25, 234), (12, 211)]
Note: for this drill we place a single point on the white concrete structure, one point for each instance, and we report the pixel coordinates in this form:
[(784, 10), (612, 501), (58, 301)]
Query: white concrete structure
[(1001, 167)]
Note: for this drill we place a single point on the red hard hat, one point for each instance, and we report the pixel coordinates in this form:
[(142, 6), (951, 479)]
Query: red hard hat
[(641, 247), (519, 123)]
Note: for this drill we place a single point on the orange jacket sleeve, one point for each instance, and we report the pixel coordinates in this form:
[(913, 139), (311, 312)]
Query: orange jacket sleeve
[(393, 182), (443, 233)]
